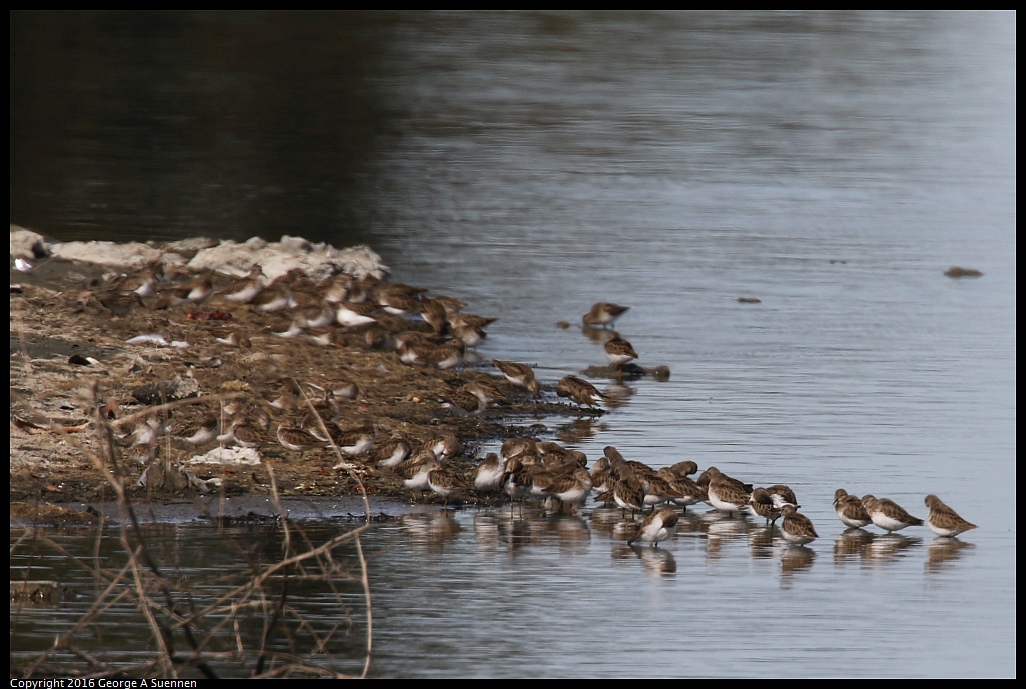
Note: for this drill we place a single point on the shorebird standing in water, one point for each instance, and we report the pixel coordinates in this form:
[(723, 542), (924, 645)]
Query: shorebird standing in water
[(580, 391), (850, 510), (619, 351), (797, 528), (657, 527), (943, 520), (888, 515), (603, 314)]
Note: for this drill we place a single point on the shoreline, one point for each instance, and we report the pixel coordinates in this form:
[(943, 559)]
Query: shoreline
[(67, 341)]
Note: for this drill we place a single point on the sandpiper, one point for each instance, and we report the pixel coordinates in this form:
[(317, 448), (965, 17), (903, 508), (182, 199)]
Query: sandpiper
[(397, 303), (888, 515), (296, 439), (445, 482), (392, 451), (444, 446), (377, 337), (245, 290), (433, 313), (464, 403), (355, 313), (355, 441), (249, 431), (580, 391), (520, 375), (629, 493), (273, 298), (342, 388), (685, 491), (143, 282), (142, 432), (782, 495), (201, 433), (603, 314), (514, 447), (470, 320), (414, 470), (316, 315), (572, 490), (619, 351), (797, 528), (470, 337), (485, 390), (119, 303), (514, 481), (450, 304), (489, 474), (706, 477), (336, 289), (446, 356), (726, 495), (410, 338), (943, 520), (234, 339), (657, 527), (686, 468), (288, 394), (196, 290), (761, 505), (850, 510)]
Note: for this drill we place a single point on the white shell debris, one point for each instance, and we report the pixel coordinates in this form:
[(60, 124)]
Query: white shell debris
[(147, 339), (233, 456), (157, 339), (318, 261)]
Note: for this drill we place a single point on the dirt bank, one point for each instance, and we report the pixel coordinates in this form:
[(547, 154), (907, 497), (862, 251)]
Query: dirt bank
[(68, 345)]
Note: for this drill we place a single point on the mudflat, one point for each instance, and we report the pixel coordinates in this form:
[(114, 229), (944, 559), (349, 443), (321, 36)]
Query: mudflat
[(88, 377)]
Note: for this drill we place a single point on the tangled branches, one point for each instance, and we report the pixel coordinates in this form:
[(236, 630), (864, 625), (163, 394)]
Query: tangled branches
[(293, 602)]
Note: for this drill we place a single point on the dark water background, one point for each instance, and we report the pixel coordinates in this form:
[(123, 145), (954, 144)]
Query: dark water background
[(832, 165)]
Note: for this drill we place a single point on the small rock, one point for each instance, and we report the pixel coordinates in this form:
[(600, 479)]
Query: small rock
[(27, 244), (158, 393)]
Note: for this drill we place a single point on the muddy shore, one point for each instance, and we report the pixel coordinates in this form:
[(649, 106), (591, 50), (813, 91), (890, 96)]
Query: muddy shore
[(70, 355)]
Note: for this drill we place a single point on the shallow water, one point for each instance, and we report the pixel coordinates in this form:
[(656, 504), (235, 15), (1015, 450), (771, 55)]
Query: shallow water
[(500, 592), (830, 165)]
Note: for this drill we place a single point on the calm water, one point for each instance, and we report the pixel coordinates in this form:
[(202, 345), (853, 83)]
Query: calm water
[(831, 165)]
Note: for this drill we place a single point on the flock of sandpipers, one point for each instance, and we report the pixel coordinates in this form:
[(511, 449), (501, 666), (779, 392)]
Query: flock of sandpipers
[(526, 468)]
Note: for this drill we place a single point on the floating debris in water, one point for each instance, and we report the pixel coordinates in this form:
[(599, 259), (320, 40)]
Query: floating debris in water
[(959, 272), (661, 373)]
